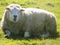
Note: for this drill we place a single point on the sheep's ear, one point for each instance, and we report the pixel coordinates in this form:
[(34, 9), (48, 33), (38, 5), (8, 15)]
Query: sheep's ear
[(8, 9)]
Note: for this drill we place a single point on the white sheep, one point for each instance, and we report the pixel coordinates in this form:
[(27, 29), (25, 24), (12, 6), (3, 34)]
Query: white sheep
[(29, 21)]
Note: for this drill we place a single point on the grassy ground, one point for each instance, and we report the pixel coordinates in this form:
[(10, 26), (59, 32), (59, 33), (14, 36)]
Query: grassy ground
[(50, 5)]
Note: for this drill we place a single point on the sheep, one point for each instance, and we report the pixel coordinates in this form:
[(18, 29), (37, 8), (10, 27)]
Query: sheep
[(32, 22)]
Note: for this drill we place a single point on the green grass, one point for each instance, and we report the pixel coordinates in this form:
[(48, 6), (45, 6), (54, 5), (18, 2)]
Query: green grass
[(33, 4)]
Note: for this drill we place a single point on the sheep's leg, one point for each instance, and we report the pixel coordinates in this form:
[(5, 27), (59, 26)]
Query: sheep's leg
[(8, 33), (26, 34), (28, 28)]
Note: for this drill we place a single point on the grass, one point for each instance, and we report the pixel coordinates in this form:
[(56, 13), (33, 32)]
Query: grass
[(50, 5)]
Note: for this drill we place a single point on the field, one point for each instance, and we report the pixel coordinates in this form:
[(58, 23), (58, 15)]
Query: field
[(50, 5)]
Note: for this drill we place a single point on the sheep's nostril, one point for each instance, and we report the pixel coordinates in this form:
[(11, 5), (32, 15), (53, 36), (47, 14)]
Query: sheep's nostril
[(15, 17)]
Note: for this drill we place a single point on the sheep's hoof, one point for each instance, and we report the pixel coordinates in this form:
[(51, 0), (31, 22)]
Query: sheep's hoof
[(6, 36), (8, 33)]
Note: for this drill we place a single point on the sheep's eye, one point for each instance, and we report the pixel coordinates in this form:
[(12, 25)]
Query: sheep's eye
[(17, 6), (11, 6)]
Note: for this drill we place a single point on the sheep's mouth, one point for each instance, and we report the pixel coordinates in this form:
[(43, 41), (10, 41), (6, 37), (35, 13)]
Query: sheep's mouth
[(14, 19)]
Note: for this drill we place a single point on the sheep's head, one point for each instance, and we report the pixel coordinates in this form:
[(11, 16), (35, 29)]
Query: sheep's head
[(13, 12)]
